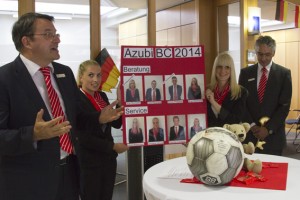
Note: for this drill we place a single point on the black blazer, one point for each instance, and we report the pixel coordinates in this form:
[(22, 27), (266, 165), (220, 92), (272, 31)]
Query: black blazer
[(231, 112), (95, 144), (180, 136), (159, 137), (24, 168), (130, 98), (179, 92), (275, 105)]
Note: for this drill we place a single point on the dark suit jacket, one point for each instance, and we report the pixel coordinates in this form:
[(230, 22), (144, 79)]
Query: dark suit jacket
[(159, 137), (95, 144), (275, 105), (27, 172), (179, 92), (149, 94), (180, 136), (129, 98), (231, 112), (193, 131), (136, 138)]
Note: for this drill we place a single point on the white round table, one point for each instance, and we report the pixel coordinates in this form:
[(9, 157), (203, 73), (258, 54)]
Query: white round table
[(158, 188)]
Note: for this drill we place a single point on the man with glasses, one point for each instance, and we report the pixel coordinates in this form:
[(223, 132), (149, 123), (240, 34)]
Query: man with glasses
[(39, 107), (270, 90)]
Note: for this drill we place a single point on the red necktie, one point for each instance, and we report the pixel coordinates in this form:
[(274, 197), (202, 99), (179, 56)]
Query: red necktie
[(262, 84), (56, 108), (153, 96)]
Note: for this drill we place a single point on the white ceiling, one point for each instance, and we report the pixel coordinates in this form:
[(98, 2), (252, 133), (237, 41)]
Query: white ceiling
[(131, 4)]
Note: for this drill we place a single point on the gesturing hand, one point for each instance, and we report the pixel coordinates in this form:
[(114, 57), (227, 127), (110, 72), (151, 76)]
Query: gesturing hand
[(109, 113), (49, 129), (120, 147)]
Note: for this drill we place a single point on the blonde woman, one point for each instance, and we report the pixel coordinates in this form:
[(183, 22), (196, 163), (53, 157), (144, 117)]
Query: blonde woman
[(226, 99), (98, 151), (132, 93)]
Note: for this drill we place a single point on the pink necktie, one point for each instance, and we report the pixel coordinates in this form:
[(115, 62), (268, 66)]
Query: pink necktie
[(262, 84), (175, 93), (153, 96), (57, 111), (176, 130)]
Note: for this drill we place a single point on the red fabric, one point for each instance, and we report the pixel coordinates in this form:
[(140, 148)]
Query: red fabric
[(175, 93), (297, 16), (96, 101), (262, 84), (273, 177), (220, 96), (64, 140), (155, 132), (132, 92), (153, 95)]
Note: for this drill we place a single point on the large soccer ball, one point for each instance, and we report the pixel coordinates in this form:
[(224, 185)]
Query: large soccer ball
[(215, 156)]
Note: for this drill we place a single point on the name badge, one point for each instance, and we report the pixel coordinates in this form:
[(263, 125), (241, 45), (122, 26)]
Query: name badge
[(60, 75)]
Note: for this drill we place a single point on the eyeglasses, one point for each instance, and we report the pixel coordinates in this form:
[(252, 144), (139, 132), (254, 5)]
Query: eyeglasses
[(260, 54), (48, 35)]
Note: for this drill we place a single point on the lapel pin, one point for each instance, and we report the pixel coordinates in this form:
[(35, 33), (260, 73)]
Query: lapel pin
[(251, 79)]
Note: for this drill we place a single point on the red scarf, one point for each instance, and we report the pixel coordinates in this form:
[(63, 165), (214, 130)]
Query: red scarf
[(97, 101), (155, 132), (132, 92), (220, 96)]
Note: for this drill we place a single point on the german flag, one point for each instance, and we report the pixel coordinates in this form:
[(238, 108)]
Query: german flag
[(110, 72), (297, 16), (281, 10)]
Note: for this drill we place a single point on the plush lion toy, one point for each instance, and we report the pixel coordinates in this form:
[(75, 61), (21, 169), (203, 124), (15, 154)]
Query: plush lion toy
[(241, 130)]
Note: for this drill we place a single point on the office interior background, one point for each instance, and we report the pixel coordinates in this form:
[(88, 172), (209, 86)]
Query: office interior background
[(87, 26)]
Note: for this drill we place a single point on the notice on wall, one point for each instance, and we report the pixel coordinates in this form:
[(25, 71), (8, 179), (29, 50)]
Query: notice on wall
[(163, 91)]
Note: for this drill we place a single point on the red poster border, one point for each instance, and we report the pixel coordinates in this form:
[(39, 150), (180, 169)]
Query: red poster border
[(143, 63)]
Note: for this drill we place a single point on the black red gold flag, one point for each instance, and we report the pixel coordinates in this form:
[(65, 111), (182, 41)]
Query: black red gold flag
[(281, 10), (297, 16), (110, 72)]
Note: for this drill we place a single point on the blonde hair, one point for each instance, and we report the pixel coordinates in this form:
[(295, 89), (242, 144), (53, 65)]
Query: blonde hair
[(224, 59), (82, 68)]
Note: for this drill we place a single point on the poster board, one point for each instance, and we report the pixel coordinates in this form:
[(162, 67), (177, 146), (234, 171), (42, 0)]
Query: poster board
[(141, 68)]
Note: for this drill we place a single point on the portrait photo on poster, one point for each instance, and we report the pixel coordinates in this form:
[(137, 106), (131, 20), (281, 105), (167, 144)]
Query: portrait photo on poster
[(156, 129), (174, 88), (154, 89), (196, 123), (133, 87), (177, 128), (194, 87), (135, 133)]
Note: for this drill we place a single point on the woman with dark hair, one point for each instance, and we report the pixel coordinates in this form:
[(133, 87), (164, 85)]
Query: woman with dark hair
[(194, 91)]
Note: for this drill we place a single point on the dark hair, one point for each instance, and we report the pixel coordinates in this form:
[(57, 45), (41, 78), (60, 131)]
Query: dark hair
[(25, 27), (267, 40)]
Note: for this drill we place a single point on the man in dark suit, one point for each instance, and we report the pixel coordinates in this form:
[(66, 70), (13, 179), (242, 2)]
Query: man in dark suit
[(177, 131), (153, 93), (273, 103), (33, 165), (175, 90), (156, 133)]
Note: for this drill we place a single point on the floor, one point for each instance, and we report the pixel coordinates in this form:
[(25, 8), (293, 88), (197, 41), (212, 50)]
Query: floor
[(120, 190)]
